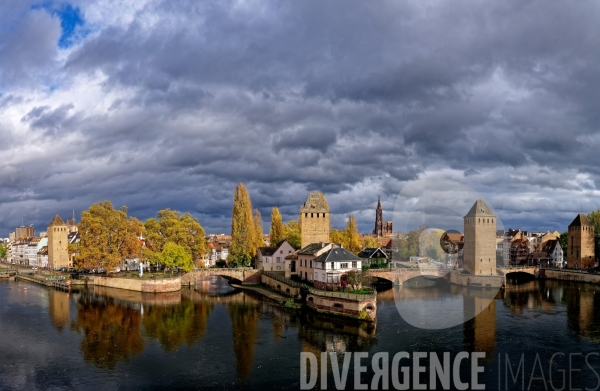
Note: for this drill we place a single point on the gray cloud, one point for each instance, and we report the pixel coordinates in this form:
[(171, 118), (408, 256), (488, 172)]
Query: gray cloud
[(166, 105)]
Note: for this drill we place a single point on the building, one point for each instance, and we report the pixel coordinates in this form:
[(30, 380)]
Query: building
[(580, 252), (58, 241), (42, 257), (553, 253), (331, 267), (23, 232), (381, 228), (306, 255), (480, 240), (314, 219), (272, 259), (374, 257)]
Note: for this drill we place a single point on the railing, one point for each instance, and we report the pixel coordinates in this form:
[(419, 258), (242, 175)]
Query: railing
[(284, 280), (343, 295)]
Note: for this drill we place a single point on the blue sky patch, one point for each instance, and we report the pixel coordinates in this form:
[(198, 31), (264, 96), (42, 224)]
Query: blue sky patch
[(70, 19)]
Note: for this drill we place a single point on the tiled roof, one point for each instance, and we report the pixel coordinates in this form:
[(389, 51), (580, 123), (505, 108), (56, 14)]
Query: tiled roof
[(56, 221), (479, 208), (336, 254), (581, 221), (312, 248), (316, 202)]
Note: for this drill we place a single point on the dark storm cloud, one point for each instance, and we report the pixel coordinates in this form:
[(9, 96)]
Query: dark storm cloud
[(168, 104)]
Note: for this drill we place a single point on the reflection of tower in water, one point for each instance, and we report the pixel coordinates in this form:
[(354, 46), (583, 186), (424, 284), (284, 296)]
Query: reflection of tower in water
[(480, 330), (58, 308)]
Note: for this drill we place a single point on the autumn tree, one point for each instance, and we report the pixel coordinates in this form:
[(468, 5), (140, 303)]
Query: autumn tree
[(108, 237), (351, 233), (170, 226), (370, 242), (243, 229), (276, 232), (357, 278), (258, 229), (292, 233), (337, 236)]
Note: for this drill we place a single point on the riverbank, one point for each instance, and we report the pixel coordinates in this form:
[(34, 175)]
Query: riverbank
[(569, 275)]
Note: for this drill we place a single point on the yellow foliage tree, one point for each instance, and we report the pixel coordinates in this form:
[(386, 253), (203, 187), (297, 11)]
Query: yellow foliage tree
[(351, 233), (258, 229), (292, 233), (170, 226), (276, 232), (108, 237), (370, 242), (243, 236)]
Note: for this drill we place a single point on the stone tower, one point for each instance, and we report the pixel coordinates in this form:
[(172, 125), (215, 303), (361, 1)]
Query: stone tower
[(480, 240), (314, 219), (580, 251), (58, 240)]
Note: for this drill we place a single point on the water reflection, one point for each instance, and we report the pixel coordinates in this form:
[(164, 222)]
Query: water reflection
[(111, 330), (58, 309), (224, 338), (175, 325)]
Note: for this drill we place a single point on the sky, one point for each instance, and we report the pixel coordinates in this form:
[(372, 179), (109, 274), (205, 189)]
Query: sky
[(164, 104)]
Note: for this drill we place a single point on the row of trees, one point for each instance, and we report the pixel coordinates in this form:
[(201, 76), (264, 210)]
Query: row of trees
[(109, 236)]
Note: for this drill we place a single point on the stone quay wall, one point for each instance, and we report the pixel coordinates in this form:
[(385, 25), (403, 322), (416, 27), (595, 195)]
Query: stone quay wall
[(288, 289), (569, 275), (158, 285), (358, 309)]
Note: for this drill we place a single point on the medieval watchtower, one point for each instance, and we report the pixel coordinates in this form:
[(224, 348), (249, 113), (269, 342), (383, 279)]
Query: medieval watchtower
[(314, 219), (480, 240)]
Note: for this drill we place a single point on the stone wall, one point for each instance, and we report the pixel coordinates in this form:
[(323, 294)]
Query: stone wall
[(140, 285), (241, 274), (565, 275), (358, 309), (470, 280), (279, 286)]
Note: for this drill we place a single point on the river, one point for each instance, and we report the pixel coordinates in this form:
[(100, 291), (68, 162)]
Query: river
[(215, 337)]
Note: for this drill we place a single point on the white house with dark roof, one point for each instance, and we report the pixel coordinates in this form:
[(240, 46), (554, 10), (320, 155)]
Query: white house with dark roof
[(331, 266)]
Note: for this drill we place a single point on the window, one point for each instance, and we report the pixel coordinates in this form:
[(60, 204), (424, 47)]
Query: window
[(278, 267), (354, 264), (280, 251), (324, 277), (278, 259), (333, 265), (343, 266), (266, 260), (481, 260), (310, 263), (330, 278)]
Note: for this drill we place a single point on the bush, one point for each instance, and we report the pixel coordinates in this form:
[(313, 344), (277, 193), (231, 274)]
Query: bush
[(290, 303)]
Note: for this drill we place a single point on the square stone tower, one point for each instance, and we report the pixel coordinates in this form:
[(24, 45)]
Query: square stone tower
[(314, 219), (480, 240), (58, 241), (580, 251)]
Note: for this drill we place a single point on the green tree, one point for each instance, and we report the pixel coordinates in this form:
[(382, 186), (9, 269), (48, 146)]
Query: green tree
[(108, 237), (351, 233), (174, 256), (563, 239), (3, 251), (170, 226), (243, 236), (291, 232), (276, 232)]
